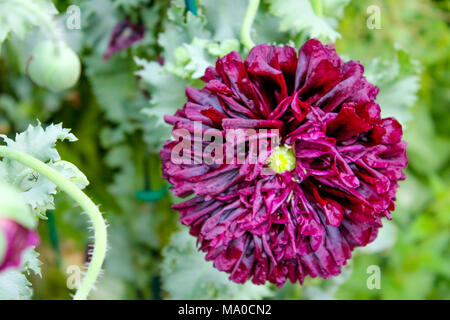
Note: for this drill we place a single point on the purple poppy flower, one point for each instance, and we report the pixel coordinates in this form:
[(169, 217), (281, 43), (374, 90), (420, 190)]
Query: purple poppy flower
[(335, 170), (124, 35), (16, 239)]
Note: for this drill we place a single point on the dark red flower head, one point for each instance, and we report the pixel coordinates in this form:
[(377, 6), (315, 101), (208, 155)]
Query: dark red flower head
[(335, 172)]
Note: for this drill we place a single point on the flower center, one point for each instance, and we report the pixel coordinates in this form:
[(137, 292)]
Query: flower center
[(282, 159)]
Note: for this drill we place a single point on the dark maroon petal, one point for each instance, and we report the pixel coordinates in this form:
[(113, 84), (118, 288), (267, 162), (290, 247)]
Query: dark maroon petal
[(118, 42), (389, 131), (287, 60), (311, 55), (347, 124), (298, 223), (18, 238), (234, 74), (265, 65), (351, 76)]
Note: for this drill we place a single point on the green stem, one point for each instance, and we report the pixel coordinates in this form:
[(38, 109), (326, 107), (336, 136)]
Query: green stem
[(86, 204), (247, 24), (317, 6)]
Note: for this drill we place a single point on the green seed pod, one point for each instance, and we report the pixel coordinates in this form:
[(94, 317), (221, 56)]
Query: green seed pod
[(54, 66)]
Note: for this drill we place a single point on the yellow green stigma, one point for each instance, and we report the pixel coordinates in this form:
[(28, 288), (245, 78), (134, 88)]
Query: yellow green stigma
[(282, 159)]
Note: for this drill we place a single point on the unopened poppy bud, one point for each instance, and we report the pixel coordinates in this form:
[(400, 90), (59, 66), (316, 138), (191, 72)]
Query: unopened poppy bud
[(54, 66)]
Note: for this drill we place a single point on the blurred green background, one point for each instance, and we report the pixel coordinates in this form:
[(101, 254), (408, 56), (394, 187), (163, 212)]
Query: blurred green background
[(119, 135)]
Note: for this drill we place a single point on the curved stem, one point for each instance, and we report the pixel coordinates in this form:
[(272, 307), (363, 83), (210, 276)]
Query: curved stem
[(317, 6), (247, 24), (100, 244)]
